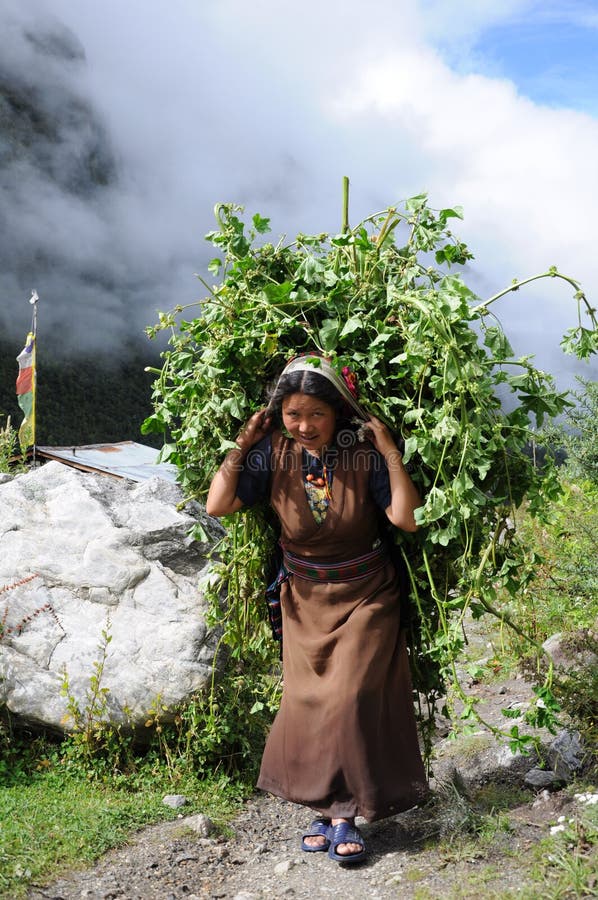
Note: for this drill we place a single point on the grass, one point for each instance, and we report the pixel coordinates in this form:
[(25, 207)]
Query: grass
[(479, 859), (55, 819), (566, 863)]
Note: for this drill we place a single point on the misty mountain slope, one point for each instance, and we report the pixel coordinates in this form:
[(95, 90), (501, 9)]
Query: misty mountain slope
[(73, 220), (58, 175), (55, 163), (46, 129)]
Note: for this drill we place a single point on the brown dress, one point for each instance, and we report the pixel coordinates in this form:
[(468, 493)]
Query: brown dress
[(344, 741)]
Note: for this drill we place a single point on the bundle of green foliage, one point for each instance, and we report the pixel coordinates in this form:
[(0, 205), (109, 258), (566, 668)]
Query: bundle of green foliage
[(430, 359)]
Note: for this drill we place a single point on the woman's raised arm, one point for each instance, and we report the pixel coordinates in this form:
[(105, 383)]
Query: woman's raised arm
[(404, 495), (222, 496)]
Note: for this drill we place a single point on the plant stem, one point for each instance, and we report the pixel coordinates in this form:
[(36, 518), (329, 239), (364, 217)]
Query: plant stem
[(517, 284), (345, 222)]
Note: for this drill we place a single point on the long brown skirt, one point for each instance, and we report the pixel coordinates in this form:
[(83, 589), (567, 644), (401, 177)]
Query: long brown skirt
[(344, 741)]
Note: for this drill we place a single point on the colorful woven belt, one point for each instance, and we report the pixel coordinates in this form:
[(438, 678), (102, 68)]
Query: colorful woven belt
[(348, 570)]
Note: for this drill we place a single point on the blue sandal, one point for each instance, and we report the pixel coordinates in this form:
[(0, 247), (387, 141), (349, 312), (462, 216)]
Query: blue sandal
[(318, 828), (344, 833)]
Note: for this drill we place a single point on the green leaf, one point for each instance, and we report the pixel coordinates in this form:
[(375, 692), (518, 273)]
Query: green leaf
[(261, 225), (416, 203), (310, 270), (496, 340), (351, 325), (414, 415), (233, 406), (410, 448), (153, 425), (437, 504), (456, 212), (329, 333), (382, 338)]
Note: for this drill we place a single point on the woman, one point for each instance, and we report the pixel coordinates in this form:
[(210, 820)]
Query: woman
[(344, 741)]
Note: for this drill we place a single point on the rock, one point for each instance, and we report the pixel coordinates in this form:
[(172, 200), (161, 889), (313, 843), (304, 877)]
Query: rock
[(283, 868), (570, 652), (202, 825), (542, 799), (174, 800), (540, 779), (474, 759), (565, 755), (113, 581)]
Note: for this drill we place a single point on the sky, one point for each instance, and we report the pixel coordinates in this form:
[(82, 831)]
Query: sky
[(490, 106)]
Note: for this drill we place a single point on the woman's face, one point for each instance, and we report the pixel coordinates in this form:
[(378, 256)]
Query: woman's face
[(309, 421)]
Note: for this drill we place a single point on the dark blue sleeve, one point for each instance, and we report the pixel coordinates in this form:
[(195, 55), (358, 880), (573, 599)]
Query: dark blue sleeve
[(254, 479), (380, 481)]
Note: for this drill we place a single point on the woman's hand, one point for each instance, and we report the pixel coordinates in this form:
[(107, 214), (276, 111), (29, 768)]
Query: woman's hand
[(257, 427), (404, 495), (222, 497), (383, 440)]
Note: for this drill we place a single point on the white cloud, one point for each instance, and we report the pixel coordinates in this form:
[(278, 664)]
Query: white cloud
[(525, 174), (269, 105)]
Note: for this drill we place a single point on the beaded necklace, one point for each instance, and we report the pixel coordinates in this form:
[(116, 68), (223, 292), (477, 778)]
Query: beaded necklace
[(317, 481)]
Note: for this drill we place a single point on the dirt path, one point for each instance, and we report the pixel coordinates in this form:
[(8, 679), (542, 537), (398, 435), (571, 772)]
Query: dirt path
[(408, 858), (479, 836)]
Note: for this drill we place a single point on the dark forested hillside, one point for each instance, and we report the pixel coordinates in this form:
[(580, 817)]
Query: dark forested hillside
[(82, 400)]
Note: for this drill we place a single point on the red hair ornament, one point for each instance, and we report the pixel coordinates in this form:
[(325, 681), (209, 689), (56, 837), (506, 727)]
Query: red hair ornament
[(350, 379)]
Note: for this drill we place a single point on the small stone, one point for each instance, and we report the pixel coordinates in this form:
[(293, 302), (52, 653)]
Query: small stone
[(502, 689), (542, 798), (245, 895), (174, 800), (540, 778), (186, 857), (283, 868), (200, 824)]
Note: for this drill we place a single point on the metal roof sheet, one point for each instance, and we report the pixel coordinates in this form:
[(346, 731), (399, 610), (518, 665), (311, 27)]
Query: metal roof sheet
[(125, 459)]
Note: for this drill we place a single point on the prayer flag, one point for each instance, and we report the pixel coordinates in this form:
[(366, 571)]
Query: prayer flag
[(26, 391)]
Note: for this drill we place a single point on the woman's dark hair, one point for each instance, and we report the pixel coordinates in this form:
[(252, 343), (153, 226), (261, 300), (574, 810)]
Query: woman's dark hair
[(310, 383)]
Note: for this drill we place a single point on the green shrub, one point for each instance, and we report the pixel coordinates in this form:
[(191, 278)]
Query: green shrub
[(430, 359)]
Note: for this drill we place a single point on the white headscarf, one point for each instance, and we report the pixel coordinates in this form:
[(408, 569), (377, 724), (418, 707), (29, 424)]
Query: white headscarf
[(322, 367)]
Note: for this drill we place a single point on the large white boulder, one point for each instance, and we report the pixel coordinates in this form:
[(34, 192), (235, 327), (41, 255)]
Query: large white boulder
[(112, 559)]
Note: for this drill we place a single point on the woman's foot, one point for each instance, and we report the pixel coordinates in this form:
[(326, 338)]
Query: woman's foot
[(347, 849), (316, 838), (346, 841)]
